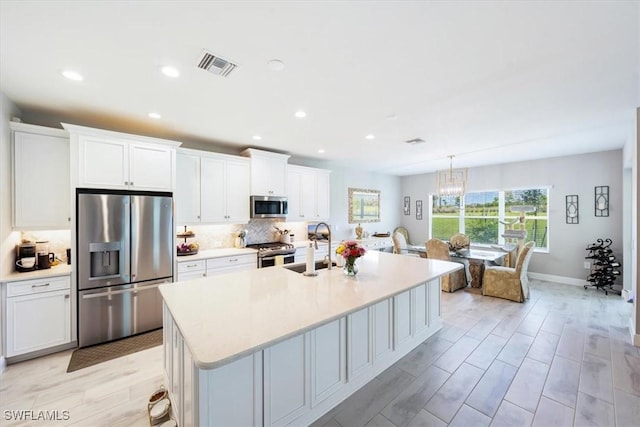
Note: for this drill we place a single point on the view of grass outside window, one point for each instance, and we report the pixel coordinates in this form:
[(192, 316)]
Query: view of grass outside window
[(478, 215)]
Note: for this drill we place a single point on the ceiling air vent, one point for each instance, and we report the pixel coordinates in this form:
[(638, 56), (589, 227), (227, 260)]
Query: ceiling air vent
[(415, 141), (215, 65)]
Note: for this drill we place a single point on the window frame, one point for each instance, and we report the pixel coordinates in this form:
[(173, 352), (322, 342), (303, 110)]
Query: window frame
[(502, 214)]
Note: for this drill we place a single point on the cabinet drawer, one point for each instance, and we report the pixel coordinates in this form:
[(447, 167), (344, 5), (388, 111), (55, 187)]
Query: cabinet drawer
[(232, 260), (35, 286), (191, 266)]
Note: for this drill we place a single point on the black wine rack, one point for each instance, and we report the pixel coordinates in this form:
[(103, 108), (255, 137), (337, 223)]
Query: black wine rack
[(605, 269)]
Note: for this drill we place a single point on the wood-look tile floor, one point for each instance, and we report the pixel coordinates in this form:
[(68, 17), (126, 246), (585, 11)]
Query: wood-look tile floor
[(563, 358)]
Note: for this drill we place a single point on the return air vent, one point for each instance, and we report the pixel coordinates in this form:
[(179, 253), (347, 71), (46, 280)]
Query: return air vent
[(215, 65), (415, 141)]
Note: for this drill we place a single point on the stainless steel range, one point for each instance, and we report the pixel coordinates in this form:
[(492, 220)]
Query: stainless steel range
[(269, 252)]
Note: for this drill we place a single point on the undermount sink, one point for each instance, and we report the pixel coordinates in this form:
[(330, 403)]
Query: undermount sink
[(301, 268)]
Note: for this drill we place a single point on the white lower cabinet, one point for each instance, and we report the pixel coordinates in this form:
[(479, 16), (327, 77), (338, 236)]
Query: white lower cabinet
[(328, 360), (295, 381), (286, 381), (38, 315), (188, 270), (230, 264), (382, 320), (359, 345), (402, 319)]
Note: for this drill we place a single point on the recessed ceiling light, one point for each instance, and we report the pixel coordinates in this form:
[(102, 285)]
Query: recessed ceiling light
[(72, 75), (276, 65), (155, 116), (170, 71), (370, 136), (257, 137), (300, 114), (321, 151)]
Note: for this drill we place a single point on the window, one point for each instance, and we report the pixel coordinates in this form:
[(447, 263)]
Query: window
[(479, 215)]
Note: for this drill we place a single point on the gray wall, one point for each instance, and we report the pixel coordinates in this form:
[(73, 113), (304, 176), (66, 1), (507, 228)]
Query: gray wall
[(566, 175)]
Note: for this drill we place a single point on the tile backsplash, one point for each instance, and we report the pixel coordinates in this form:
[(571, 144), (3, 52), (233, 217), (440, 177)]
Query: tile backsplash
[(257, 231)]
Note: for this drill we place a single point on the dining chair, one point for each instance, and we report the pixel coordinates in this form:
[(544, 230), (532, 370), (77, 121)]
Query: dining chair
[(509, 283), (400, 244), (437, 249)]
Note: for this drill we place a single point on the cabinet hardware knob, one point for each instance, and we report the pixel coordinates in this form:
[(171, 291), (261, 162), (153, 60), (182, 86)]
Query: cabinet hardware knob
[(126, 183), (66, 296), (131, 183)]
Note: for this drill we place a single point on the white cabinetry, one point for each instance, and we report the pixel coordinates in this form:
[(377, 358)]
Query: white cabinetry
[(121, 161), (38, 315), (359, 345), (41, 183), (207, 267), (328, 357), (211, 188), (286, 395), (268, 172), (229, 264), (188, 270), (297, 380), (308, 193)]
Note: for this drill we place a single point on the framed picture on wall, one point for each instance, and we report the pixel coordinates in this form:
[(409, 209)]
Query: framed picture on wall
[(418, 209), (407, 205)]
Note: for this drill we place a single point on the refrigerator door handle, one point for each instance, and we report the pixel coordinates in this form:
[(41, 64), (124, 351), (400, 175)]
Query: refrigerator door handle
[(123, 291), (126, 253)]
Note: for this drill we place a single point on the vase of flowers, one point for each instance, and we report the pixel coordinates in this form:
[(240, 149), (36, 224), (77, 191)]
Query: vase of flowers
[(350, 251)]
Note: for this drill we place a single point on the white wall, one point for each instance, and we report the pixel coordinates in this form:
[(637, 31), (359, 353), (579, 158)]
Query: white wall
[(7, 241), (566, 175)]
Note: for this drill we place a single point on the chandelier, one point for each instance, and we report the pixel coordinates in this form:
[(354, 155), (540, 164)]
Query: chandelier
[(451, 182)]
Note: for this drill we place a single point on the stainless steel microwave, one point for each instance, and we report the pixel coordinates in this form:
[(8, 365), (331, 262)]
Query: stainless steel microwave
[(268, 207)]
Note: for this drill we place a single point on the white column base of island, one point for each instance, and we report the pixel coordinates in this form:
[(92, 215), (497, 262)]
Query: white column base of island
[(273, 347)]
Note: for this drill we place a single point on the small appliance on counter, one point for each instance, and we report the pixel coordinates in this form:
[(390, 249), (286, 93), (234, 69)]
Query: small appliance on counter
[(44, 258), (185, 248), (26, 257)]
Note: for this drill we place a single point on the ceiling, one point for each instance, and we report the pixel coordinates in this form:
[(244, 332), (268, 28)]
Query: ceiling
[(489, 82)]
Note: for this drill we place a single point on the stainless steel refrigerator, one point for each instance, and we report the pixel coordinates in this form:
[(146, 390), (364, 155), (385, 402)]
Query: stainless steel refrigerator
[(124, 252)]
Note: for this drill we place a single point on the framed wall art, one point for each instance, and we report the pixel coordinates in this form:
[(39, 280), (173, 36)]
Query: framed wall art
[(364, 205), (407, 205), (571, 207), (602, 200), (419, 209)]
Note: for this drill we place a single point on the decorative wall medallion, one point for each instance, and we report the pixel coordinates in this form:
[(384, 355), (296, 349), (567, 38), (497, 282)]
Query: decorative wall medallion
[(572, 209), (602, 200)]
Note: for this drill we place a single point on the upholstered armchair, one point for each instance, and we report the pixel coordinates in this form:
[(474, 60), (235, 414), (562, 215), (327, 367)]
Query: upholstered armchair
[(400, 244), (437, 249), (509, 283)]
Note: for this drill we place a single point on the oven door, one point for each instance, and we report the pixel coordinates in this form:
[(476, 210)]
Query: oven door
[(270, 261)]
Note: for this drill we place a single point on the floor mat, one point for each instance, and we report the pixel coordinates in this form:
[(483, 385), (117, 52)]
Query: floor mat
[(89, 356)]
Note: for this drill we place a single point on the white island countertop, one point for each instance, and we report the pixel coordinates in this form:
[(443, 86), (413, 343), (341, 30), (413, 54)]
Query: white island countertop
[(226, 317)]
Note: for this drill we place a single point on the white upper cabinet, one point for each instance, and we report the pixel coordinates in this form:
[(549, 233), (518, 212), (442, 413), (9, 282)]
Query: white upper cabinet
[(41, 183), (308, 193), (211, 188), (121, 161), (187, 194), (268, 172)]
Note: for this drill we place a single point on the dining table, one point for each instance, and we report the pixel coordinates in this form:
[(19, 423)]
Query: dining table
[(477, 258)]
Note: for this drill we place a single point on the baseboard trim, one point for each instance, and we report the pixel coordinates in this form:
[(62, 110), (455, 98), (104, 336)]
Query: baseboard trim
[(558, 279), (635, 338), (3, 364)]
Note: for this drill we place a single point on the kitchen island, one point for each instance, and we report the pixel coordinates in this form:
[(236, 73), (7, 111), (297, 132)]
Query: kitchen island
[(275, 347)]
